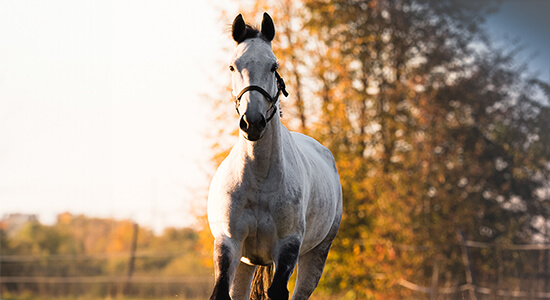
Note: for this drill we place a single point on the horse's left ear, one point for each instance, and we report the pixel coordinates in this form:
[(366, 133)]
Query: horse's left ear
[(268, 28)]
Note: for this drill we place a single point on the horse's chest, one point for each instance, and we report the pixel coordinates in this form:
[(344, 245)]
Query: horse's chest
[(273, 210), (270, 217), (270, 201)]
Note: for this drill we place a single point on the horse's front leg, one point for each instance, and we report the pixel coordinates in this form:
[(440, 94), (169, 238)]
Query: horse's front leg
[(287, 254), (241, 284), (226, 259)]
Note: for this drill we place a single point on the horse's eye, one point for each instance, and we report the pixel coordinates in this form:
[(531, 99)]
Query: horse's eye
[(231, 68), (274, 67)]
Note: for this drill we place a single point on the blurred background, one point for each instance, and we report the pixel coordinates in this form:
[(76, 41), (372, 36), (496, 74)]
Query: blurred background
[(115, 114)]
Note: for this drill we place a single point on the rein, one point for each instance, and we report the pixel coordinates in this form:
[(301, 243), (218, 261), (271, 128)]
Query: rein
[(281, 87)]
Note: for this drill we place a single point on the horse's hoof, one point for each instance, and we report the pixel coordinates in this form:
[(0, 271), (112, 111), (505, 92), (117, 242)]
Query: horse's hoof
[(278, 294)]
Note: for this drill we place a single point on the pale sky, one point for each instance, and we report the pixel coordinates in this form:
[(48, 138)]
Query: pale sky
[(103, 109), (527, 22)]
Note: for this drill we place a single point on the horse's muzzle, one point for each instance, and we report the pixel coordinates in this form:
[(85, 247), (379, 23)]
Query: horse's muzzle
[(253, 126)]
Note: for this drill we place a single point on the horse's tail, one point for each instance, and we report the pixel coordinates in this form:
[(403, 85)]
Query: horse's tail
[(261, 281)]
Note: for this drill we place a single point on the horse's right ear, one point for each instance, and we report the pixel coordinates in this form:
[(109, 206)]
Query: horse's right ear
[(238, 29)]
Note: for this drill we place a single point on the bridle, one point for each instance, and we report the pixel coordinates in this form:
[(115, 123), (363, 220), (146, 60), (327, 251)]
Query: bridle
[(281, 87)]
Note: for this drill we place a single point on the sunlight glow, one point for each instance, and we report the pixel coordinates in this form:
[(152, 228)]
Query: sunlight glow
[(103, 108)]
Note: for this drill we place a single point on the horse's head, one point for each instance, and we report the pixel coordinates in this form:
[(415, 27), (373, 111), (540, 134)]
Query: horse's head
[(256, 84)]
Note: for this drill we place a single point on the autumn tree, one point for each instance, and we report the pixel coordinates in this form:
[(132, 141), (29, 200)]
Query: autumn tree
[(436, 132)]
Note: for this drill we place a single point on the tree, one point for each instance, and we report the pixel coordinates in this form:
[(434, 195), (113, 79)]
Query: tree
[(437, 133), (83, 247), (434, 130)]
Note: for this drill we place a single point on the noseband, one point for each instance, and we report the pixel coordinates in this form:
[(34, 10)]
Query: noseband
[(281, 87)]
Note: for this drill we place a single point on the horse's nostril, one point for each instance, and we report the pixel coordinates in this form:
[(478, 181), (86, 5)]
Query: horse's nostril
[(243, 124), (253, 124), (262, 124)]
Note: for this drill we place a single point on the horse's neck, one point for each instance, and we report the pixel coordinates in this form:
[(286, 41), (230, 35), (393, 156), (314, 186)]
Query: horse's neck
[(265, 155)]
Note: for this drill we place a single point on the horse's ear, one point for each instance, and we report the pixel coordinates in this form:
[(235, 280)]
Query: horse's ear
[(238, 29), (268, 28)]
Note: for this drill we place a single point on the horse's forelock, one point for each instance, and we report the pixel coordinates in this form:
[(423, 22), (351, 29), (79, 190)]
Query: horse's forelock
[(252, 32)]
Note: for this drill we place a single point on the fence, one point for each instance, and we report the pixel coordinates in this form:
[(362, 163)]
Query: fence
[(128, 280), (84, 279), (524, 284)]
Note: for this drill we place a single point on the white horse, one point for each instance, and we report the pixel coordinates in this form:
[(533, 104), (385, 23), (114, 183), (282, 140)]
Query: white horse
[(277, 197)]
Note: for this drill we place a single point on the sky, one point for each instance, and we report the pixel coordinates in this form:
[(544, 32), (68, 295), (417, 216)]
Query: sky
[(103, 107), (526, 21)]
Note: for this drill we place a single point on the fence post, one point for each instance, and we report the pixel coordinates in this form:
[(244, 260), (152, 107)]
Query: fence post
[(546, 275), (132, 260), (1, 233), (500, 271), (546, 253), (467, 265), (435, 280)]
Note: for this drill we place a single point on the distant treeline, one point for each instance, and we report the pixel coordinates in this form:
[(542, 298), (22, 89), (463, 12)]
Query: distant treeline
[(79, 255)]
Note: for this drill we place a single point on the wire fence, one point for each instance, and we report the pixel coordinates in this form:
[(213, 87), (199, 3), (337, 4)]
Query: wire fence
[(531, 283), (78, 275)]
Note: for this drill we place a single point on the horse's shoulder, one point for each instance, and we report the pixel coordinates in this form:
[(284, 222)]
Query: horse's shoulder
[(225, 177), (306, 140), (312, 148)]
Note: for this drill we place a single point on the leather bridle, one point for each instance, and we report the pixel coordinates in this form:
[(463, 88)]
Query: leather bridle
[(281, 87)]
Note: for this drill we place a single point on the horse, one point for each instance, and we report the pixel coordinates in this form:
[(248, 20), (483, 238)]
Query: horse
[(276, 198)]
